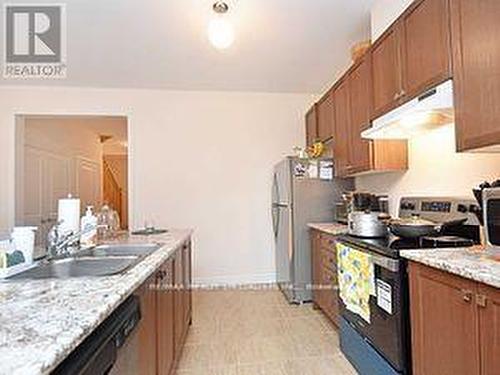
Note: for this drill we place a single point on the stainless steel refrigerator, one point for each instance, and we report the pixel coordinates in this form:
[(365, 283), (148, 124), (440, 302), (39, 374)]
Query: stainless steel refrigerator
[(303, 191)]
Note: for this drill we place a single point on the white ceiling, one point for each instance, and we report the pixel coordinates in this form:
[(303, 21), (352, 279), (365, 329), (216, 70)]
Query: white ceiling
[(280, 46)]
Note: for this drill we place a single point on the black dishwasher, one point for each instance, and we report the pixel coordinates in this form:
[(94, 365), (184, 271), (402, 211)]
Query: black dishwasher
[(97, 354)]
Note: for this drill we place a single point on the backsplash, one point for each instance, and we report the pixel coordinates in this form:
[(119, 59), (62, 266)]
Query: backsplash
[(435, 169)]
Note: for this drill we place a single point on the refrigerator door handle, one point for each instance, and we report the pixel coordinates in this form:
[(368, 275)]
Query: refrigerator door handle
[(276, 220)]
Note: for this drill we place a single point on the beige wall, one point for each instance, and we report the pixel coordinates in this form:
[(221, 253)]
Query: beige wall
[(384, 13), (198, 159), (435, 168)]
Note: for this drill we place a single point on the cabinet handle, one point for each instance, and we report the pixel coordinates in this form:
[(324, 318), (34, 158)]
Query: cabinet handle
[(481, 300), (402, 93), (467, 295), (396, 96)]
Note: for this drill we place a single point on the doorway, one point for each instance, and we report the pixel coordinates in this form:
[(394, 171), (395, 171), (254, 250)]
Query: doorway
[(85, 156)]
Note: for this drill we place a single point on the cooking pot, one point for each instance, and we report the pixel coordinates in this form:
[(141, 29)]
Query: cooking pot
[(414, 226), (367, 224)]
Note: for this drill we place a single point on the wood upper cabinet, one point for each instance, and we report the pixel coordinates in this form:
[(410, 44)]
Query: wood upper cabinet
[(488, 300), (311, 126), (360, 154), (411, 56), (386, 72), (445, 337), (165, 318), (325, 116), (476, 73), (342, 129), (426, 47), (354, 155)]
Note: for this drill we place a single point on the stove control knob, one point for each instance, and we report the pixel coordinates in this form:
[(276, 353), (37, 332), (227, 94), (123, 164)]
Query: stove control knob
[(462, 208)]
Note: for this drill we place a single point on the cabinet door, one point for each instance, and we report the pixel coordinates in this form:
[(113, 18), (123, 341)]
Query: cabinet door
[(444, 321), (386, 72), (330, 298), (316, 267), (187, 283), (179, 307), (341, 140), (146, 333), (476, 68), (488, 301), (426, 46), (165, 319), (311, 126), (325, 116), (359, 90)]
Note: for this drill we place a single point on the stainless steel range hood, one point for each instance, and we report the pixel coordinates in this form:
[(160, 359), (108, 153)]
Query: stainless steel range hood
[(430, 110)]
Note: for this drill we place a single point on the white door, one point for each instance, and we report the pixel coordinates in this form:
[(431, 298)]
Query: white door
[(47, 178), (88, 182)]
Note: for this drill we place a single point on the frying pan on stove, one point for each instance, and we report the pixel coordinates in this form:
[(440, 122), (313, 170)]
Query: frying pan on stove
[(414, 226)]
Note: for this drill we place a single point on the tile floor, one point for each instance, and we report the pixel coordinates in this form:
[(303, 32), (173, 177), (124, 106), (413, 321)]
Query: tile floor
[(259, 333)]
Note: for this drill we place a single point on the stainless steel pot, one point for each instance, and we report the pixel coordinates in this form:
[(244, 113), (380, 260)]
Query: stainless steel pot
[(367, 224)]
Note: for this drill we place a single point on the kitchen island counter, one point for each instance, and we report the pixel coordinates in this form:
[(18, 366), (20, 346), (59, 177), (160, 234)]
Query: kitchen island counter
[(43, 321), (471, 263)]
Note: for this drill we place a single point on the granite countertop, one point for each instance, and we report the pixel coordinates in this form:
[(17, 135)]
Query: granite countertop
[(330, 228), (42, 321), (471, 263)]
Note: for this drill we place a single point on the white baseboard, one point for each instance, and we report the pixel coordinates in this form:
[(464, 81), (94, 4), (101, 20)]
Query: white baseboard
[(233, 280)]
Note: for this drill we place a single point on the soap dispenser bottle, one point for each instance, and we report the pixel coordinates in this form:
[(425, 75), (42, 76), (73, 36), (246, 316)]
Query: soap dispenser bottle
[(88, 228)]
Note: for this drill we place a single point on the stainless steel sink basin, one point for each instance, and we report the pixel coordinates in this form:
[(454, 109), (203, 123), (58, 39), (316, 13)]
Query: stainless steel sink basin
[(103, 260), (121, 250), (79, 267)]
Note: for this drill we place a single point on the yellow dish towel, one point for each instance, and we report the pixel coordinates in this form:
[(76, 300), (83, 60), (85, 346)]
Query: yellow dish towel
[(356, 279)]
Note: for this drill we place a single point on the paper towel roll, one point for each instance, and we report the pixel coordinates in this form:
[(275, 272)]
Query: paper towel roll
[(68, 214)]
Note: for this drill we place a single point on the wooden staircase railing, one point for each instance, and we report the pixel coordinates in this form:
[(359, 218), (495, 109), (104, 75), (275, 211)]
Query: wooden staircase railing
[(112, 193)]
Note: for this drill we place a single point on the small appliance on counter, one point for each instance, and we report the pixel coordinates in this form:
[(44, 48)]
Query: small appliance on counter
[(491, 212), (375, 336), (367, 215)]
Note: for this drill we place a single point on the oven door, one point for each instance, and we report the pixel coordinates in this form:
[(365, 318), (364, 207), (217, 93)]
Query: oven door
[(388, 330)]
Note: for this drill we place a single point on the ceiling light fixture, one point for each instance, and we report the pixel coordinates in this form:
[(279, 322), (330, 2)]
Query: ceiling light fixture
[(220, 31)]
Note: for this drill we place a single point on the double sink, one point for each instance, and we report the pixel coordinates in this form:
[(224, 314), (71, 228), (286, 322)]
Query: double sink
[(103, 260)]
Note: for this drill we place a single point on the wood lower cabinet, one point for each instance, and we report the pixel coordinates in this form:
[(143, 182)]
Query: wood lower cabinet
[(476, 73), (488, 300), (324, 274), (165, 315), (455, 324), (165, 319), (147, 328)]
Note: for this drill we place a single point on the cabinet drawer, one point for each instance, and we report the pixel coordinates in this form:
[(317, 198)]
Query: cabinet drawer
[(329, 260), (330, 302), (327, 241)]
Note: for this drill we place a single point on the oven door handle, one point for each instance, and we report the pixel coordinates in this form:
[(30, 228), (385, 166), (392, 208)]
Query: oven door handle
[(385, 262)]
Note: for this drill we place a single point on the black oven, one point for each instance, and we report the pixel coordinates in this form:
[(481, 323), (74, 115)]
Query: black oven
[(388, 331)]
